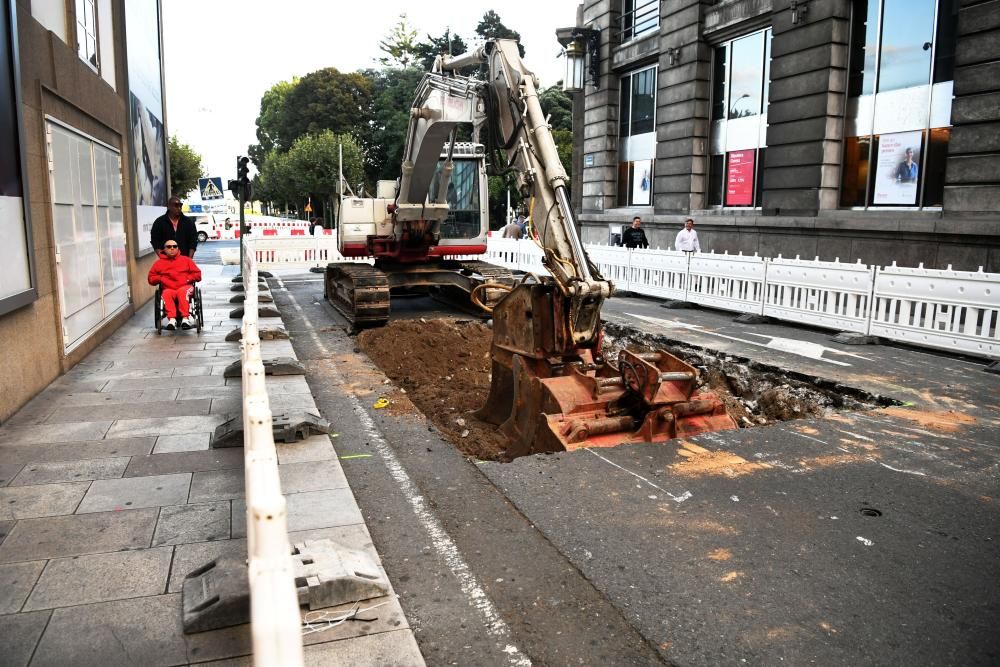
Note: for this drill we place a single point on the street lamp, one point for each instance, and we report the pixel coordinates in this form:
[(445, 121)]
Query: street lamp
[(581, 45)]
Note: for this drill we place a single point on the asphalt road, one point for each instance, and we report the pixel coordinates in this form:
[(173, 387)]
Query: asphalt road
[(208, 252), (861, 538)]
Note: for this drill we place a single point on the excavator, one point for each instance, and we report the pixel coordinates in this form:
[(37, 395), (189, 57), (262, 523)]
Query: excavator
[(551, 387)]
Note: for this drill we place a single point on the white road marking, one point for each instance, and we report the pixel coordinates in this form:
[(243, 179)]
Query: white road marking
[(443, 543), (790, 345), (864, 540), (908, 472), (679, 499)]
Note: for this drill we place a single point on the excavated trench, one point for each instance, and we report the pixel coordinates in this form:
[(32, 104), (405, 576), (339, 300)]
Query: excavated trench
[(443, 367)]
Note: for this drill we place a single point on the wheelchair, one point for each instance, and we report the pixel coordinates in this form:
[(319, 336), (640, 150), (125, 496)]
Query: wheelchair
[(194, 301)]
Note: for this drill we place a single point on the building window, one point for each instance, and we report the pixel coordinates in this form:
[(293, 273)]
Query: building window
[(899, 103), (86, 31), (639, 17), (740, 81), (637, 138)]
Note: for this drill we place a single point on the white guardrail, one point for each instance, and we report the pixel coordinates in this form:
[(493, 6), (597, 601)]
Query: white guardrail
[(957, 311), (275, 624)]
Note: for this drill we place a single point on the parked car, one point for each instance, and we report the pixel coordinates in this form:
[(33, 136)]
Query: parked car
[(207, 226)]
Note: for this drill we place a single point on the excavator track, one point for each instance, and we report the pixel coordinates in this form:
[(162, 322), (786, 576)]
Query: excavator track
[(360, 292), (491, 272)]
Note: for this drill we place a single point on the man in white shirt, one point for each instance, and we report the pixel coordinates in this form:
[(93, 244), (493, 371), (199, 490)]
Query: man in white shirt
[(687, 238)]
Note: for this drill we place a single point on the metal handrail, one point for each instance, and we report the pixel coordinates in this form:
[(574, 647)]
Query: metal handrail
[(638, 16)]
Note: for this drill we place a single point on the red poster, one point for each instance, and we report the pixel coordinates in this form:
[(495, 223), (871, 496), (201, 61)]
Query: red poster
[(739, 178)]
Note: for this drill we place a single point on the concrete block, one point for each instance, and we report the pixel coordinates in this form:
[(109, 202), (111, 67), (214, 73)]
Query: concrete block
[(979, 198), (181, 524), (322, 509), (141, 631), (78, 534), (164, 464), (977, 48), (25, 502), (101, 577), (334, 574), (216, 595), (819, 57), (19, 634), (312, 476), (807, 83), (968, 169), (71, 471), (16, 582), (981, 78), (189, 557), (136, 492), (216, 485), (187, 442)]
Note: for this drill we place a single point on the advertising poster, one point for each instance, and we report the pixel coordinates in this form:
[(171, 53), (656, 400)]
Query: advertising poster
[(15, 274), (642, 182), (739, 178), (148, 136), (897, 168)]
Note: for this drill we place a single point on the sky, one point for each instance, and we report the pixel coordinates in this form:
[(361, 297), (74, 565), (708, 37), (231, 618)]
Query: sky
[(221, 56)]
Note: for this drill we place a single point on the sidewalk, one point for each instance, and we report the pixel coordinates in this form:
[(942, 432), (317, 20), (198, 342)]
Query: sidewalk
[(110, 495)]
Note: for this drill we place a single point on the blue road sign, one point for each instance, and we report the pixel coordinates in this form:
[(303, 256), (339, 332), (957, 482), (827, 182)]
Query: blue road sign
[(211, 188)]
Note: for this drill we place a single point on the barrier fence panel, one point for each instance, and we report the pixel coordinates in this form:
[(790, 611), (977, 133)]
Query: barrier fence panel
[(949, 310), (822, 294), (727, 282), (612, 262), (659, 273)]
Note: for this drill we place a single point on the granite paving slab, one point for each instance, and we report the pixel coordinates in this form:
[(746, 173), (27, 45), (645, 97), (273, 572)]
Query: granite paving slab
[(210, 392), (131, 411), (5, 528), (278, 400), (162, 464), (186, 360), (192, 371), (322, 509), (397, 647), (313, 448), (189, 557), (185, 442), (125, 428), (182, 524), (136, 492), (165, 383), (42, 452), (217, 485), (71, 471), (78, 534), (28, 502), (311, 476), (16, 580), (19, 635), (105, 397), (91, 430), (101, 577), (8, 471), (239, 520), (386, 612), (141, 631)]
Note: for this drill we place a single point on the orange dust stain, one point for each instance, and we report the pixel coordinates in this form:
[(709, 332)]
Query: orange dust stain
[(808, 430), (720, 554), (700, 461), (945, 421), (730, 576)]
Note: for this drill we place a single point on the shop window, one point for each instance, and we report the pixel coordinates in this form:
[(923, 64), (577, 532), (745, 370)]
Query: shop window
[(899, 103), (637, 138), (639, 17), (86, 31), (740, 84)]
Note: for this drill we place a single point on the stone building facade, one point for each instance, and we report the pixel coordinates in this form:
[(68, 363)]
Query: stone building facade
[(854, 129), (74, 265)]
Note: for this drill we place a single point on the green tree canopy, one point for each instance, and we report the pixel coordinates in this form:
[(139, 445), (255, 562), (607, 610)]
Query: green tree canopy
[(185, 167), (393, 91), (432, 47), (399, 45), (271, 121), (559, 105), (491, 27), (326, 99)]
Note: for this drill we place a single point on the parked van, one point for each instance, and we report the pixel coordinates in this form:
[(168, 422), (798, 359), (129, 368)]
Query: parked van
[(207, 226)]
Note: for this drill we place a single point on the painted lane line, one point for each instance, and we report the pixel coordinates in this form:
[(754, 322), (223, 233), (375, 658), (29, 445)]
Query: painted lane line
[(443, 544), (679, 499), (908, 472)]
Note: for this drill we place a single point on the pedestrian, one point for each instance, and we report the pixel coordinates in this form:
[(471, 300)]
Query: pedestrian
[(512, 230), (634, 236), (174, 226), (175, 274), (522, 222), (687, 238)]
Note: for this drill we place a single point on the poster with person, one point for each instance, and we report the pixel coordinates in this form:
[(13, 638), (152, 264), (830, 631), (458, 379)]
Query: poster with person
[(897, 169), (642, 182)]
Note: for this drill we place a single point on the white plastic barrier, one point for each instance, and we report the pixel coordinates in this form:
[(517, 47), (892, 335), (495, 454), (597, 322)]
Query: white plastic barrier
[(949, 310), (290, 253), (613, 263), (275, 624), (659, 273), (822, 294), (727, 282)]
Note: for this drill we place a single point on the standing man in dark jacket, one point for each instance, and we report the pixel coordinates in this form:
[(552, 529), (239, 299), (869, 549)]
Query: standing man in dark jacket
[(634, 237), (174, 226)]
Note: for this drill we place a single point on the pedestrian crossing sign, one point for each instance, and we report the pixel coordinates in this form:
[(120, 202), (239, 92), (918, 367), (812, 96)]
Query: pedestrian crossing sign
[(211, 188)]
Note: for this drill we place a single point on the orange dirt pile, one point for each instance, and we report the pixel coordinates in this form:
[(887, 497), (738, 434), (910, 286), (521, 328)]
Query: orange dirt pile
[(945, 421), (444, 366)]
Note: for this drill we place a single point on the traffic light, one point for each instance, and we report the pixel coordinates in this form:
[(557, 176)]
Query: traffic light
[(241, 187), (242, 171)]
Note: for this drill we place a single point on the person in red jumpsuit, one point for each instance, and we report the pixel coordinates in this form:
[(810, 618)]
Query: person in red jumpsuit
[(176, 273)]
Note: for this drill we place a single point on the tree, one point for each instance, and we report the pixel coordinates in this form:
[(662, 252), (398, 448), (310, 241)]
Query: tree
[(564, 146), (559, 105), (399, 45), (324, 100), (491, 27), (382, 139), (271, 121), (185, 167), (448, 43)]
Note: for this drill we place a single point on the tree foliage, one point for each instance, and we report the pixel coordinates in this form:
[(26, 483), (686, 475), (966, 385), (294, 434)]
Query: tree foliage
[(432, 47), (383, 138), (492, 27), (185, 167), (271, 121), (326, 99), (399, 45), (557, 105)]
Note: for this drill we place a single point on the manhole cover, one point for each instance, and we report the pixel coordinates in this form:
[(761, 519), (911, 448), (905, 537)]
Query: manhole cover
[(870, 511)]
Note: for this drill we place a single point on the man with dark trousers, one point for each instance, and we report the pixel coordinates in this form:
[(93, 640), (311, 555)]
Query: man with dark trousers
[(174, 226)]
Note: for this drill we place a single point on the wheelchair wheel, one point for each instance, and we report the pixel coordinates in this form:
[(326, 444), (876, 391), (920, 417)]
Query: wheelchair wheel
[(158, 310), (199, 311)]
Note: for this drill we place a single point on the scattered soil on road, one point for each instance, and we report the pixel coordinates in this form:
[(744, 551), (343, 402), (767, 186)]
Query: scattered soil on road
[(444, 367)]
